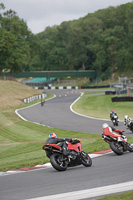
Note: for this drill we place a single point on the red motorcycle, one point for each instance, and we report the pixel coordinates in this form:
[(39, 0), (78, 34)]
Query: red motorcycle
[(119, 145), (74, 157)]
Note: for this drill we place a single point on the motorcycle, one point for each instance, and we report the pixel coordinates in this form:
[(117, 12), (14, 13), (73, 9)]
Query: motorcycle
[(130, 126), (74, 157), (118, 145), (42, 102), (114, 120)]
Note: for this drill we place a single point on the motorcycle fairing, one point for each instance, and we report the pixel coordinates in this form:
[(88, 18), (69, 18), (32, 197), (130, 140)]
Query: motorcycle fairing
[(76, 147), (47, 146)]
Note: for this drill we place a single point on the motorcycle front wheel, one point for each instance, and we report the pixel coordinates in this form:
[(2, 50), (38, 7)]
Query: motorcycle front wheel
[(86, 160), (113, 121), (117, 148), (130, 148), (57, 162)]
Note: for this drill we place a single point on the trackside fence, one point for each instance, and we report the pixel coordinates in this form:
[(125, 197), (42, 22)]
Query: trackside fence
[(57, 88), (33, 98)]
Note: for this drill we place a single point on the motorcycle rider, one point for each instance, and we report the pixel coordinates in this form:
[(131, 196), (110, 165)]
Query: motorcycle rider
[(127, 121), (42, 101), (52, 139), (112, 113), (110, 131)]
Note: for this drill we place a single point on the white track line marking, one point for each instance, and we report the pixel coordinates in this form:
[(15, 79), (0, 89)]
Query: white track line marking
[(89, 193), (86, 115), (16, 111)]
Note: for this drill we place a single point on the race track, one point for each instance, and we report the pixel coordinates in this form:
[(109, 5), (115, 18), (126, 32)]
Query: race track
[(106, 170), (56, 113)]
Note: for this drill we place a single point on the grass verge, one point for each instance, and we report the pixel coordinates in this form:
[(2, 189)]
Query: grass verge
[(21, 142), (123, 196), (100, 106)]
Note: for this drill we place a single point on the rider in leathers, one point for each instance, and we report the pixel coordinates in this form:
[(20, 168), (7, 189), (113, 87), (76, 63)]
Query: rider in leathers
[(110, 131), (112, 113), (127, 121), (52, 139)]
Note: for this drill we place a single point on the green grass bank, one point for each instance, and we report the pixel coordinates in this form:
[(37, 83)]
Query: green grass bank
[(100, 106)]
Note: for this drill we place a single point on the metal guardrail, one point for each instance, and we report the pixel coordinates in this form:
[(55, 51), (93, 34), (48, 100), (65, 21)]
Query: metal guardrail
[(33, 98)]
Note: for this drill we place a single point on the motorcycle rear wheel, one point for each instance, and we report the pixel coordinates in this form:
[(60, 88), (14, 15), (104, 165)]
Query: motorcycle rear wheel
[(117, 148), (116, 122), (86, 160), (57, 162)]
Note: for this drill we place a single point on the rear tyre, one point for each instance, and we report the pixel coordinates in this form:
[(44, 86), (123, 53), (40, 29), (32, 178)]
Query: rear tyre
[(86, 160), (116, 122), (117, 148), (57, 162)]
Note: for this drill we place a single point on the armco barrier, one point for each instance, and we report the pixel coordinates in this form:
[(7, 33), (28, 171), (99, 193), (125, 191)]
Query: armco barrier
[(121, 99), (33, 98), (58, 88), (70, 87), (95, 86)]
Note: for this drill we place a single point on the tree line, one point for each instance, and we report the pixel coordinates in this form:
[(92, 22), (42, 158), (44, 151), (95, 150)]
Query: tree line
[(99, 41), (15, 42)]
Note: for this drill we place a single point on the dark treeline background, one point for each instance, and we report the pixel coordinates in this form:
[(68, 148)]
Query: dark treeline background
[(100, 41)]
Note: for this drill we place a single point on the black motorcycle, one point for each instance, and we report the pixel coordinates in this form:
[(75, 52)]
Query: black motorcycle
[(130, 126), (42, 102), (61, 161), (114, 119)]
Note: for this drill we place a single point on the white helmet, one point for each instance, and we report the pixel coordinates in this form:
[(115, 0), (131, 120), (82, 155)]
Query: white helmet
[(52, 135), (126, 116), (105, 125)]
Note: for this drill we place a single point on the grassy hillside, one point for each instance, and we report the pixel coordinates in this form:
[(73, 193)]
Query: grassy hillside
[(12, 93)]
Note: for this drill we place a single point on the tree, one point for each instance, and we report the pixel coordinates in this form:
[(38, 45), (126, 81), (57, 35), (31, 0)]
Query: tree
[(96, 41), (14, 44), (2, 54)]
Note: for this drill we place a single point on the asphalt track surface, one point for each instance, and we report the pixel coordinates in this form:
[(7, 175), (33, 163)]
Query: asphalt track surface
[(57, 113), (105, 171)]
